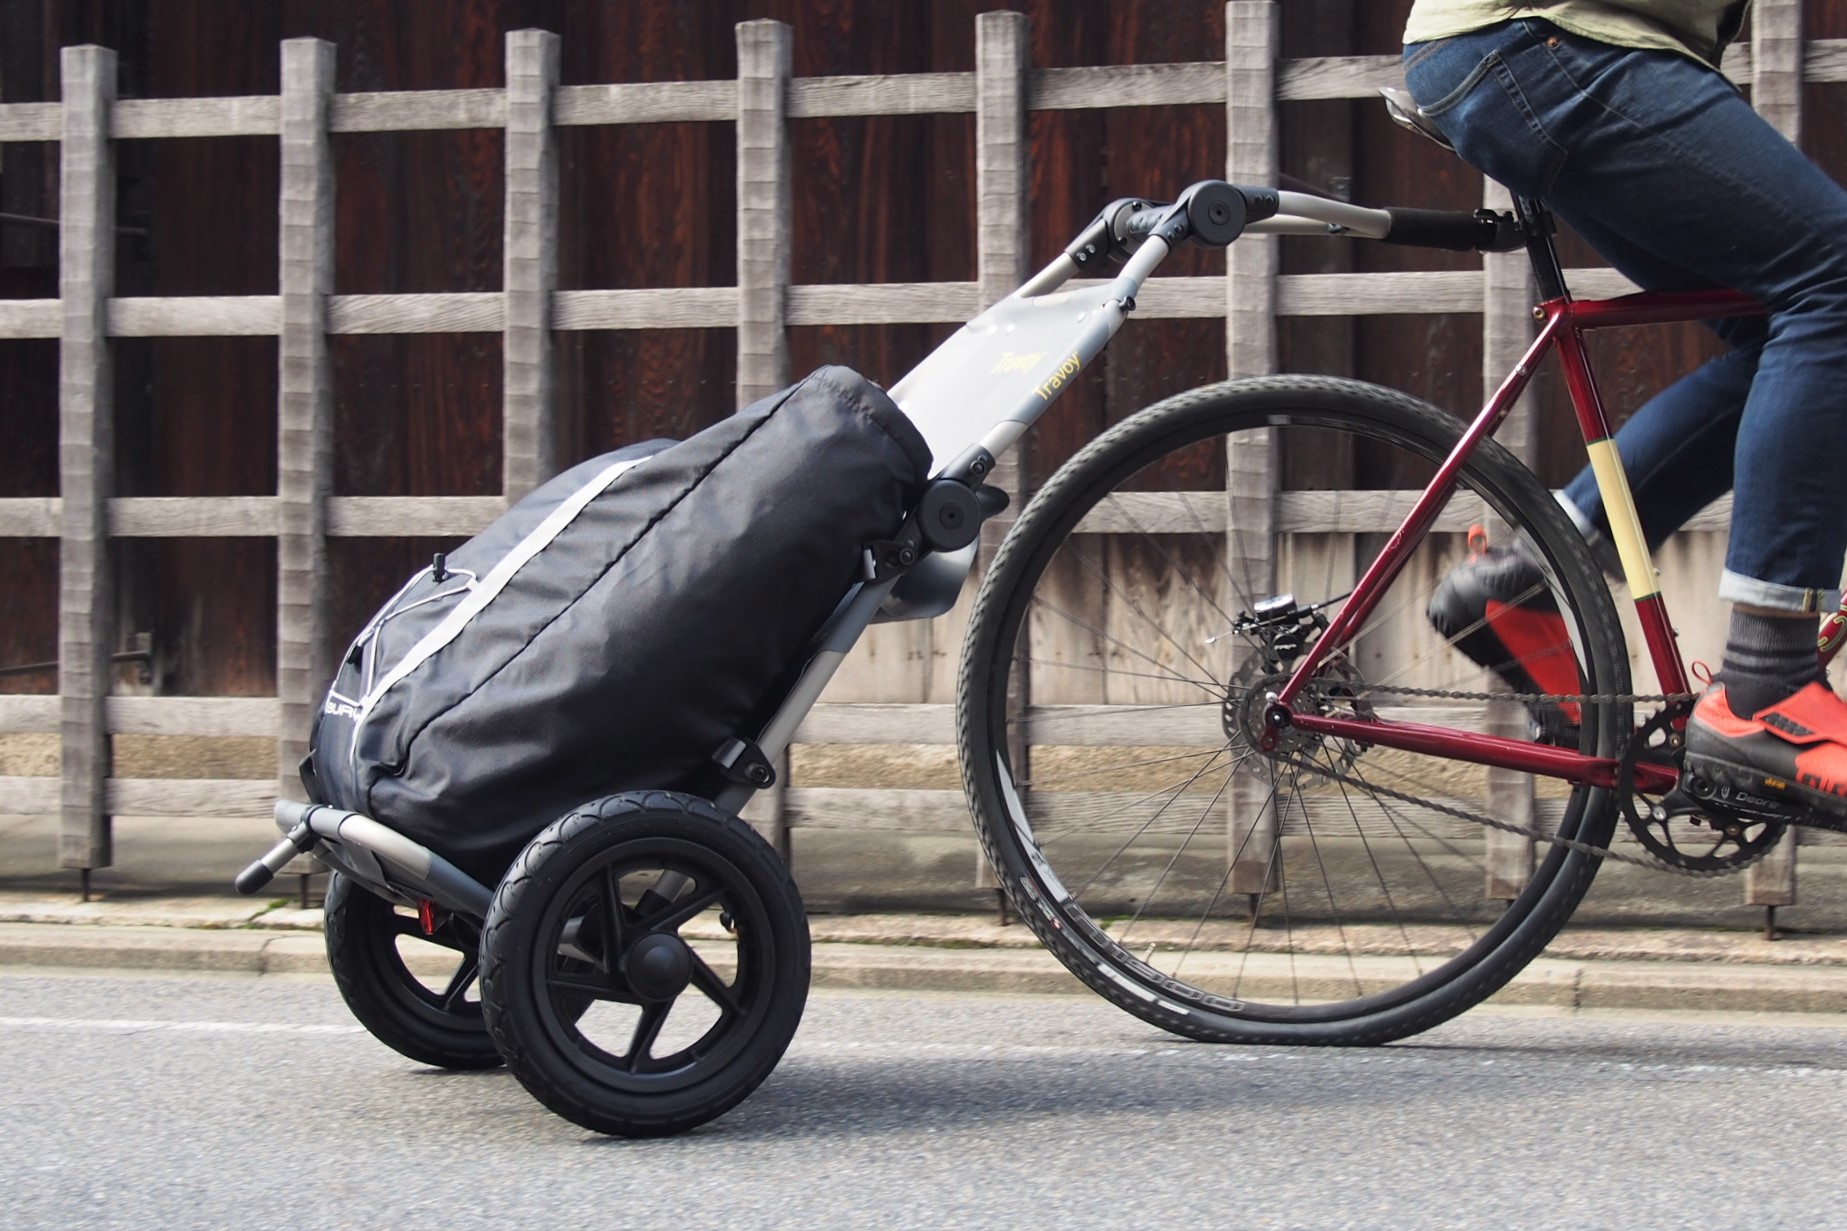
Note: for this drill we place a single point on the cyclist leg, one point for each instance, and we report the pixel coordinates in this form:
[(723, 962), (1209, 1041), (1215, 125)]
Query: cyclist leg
[(1664, 157)]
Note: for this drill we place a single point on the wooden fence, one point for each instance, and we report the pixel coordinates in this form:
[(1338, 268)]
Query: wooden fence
[(305, 514)]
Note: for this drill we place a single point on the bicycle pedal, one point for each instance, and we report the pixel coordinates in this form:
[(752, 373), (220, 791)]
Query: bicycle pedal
[(1747, 794)]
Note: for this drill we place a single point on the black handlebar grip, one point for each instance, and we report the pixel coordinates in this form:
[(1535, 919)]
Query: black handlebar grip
[(300, 841), (253, 878), (1454, 231)]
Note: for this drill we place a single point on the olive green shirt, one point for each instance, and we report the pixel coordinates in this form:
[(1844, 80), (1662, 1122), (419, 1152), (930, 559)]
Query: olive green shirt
[(1699, 28)]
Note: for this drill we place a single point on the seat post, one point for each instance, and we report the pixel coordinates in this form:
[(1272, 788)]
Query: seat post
[(1537, 223)]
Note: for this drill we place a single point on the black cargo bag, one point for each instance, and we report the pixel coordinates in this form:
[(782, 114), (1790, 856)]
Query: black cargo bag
[(614, 628)]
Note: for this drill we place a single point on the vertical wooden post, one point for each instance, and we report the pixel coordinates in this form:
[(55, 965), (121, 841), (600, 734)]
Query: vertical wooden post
[(530, 264), (1776, 92), (765, 64), (764, 67), (1003, 153), (1251, 479), (304, 409), (86, 455), (1506, 331)]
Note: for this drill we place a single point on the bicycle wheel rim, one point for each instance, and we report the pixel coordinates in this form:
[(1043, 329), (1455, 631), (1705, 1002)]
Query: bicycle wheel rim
[(1324, 961)]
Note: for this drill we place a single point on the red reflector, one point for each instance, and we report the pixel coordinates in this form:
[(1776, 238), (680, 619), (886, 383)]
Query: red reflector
[(426, 915)]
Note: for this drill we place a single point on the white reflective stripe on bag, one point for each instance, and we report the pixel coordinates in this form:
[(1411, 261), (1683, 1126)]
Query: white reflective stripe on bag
[(489, 589)]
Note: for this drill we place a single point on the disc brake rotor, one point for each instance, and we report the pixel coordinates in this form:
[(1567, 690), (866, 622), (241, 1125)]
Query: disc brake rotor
[(1299, 757)]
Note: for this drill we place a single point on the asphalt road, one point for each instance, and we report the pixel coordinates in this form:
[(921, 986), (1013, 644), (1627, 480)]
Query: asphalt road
[(140, 1101)]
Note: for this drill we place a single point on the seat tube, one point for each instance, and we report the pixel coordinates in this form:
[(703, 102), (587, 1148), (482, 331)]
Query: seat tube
[(1618, 502)]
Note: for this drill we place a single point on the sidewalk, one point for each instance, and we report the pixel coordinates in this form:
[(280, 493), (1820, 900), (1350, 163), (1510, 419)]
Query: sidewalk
[(1587, 968), (1641, 940)]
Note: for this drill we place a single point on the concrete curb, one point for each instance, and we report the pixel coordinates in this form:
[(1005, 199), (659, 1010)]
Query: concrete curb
[(1021, 967)]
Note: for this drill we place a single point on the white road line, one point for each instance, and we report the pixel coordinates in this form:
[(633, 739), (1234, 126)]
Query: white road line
[(116, 1025)]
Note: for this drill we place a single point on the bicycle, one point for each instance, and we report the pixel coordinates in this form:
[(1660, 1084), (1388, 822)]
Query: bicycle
[(1281, 699), (1353, 815)]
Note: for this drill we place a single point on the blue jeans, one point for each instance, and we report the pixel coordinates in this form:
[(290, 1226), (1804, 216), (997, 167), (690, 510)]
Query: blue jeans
[(1667, 172)]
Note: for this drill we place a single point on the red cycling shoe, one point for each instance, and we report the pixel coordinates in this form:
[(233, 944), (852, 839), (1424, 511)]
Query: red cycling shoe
[(1795, 750), (1496, 608)]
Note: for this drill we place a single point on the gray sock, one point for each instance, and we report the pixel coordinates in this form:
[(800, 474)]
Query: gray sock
[(1766, 659)]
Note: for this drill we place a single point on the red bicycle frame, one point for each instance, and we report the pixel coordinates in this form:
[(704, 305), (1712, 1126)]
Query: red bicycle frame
[(1564, 323)]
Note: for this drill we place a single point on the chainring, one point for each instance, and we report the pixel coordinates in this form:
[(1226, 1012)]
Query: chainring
[(1707, 841)]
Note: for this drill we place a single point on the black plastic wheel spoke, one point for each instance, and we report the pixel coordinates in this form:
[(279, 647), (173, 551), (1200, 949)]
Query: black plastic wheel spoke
[(585, 985), (679, 912), (461, 980), (724, 995), (647, 1032), (615, 938)]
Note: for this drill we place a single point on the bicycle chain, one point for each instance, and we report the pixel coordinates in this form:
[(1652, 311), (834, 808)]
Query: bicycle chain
[(1527, 831)]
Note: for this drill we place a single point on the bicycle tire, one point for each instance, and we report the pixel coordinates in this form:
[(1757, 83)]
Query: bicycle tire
[(1380, 934), (606, 1035), (439, 1026)]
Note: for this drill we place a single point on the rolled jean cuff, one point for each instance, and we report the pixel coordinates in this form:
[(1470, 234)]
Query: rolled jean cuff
[(1737, 588), (1601, 549)]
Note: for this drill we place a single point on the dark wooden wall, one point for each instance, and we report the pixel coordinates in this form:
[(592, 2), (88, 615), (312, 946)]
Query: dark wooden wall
[(877, 199)]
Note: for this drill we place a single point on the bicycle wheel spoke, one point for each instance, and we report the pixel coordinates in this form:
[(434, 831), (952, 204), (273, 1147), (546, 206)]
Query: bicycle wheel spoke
[(1365, 881), (1170, 673), (1154, 891), (1130, 840)]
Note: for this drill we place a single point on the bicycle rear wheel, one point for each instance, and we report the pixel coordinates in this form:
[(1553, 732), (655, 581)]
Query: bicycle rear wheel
[(1111, 697)]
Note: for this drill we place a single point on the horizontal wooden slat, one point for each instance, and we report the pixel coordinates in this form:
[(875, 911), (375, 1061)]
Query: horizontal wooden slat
[(1125, 85), (28, 796), (861, 723), (1189, 726), (880, 809), (209, 316), (1351, 512), (1338, 77), (31, 121), (908, 94), (27, 714), (417, 110), (30, 517), (217, 716), (455, 312), (1181, 299), (252, 115), (1598, 283), (191, 797), (30, 318), (652, 102), (391, 516), (1378, 294), (882, 303), (374, 516), (1157, 513), (1716, 516), (1823, 59), (696, 307), (212, 716), (192, 516), (818, 304), (1324, 77)]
